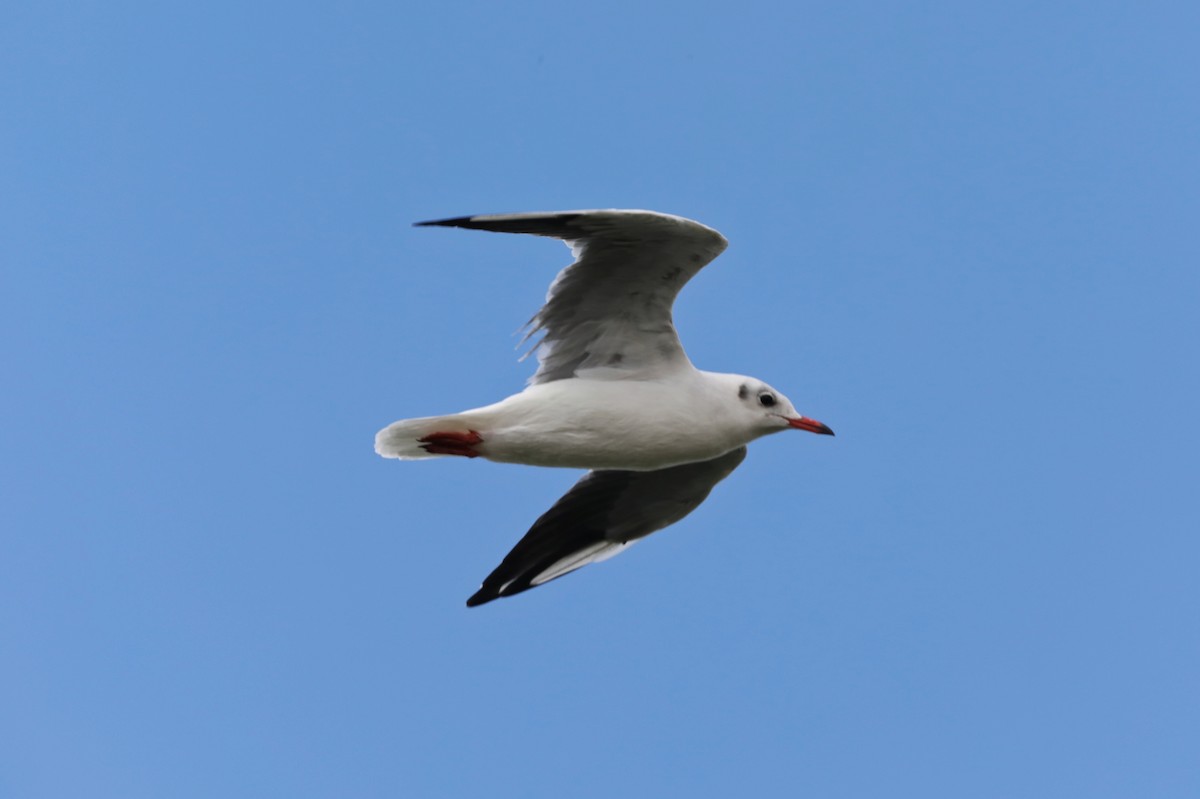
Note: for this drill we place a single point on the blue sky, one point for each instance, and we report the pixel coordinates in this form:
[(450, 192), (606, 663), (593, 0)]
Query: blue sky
[(963, 235)]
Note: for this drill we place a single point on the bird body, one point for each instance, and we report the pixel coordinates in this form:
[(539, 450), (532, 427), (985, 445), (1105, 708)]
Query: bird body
[(640, 425)]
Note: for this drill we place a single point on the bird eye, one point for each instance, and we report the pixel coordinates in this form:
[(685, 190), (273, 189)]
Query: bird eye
[(766, 399)]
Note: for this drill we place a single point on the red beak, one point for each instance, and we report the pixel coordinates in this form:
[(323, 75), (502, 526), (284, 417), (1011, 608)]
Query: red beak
[(811, 425)]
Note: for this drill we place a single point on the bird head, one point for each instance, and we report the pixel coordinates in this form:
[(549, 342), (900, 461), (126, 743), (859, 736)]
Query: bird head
[(772, 411)]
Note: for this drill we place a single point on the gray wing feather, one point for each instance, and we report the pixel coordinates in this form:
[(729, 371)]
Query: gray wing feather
[(610, 311), (600, 516)]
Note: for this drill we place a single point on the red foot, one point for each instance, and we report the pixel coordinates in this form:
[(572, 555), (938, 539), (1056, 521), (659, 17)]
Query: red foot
[(451, 443)]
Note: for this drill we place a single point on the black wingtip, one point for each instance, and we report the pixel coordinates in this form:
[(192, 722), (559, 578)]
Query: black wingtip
[(480, 597), (557, 225), (458, 221), (495, 587)]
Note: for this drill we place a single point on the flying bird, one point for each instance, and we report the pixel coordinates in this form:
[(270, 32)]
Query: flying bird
[(614, 393)]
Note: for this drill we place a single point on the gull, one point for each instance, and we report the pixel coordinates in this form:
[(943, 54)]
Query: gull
[(614, 393)]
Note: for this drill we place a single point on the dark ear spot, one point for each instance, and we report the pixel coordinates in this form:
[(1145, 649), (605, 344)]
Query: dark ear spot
[(743, 391)]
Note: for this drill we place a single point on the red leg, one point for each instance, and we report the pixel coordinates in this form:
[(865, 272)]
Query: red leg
[(451, 443)]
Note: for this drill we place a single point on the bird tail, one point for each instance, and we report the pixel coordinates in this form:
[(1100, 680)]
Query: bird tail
[(402, 439)]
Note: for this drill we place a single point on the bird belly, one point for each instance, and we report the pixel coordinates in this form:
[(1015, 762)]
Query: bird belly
[(620, 426)]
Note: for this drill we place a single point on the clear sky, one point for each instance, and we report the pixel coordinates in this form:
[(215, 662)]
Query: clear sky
[(964, 235)]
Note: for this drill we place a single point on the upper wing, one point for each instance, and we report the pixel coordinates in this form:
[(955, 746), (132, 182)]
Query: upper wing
[(611, 309), (601, 515)]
